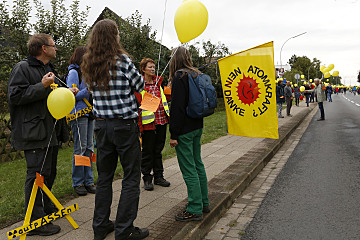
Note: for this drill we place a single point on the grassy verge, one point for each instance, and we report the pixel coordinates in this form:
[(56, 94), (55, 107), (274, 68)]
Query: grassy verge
[(12, 174)]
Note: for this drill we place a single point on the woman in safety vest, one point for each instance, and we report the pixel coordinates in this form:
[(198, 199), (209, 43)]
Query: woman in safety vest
[(153, 128)]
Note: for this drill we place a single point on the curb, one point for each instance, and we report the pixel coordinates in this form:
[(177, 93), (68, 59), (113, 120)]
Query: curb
[(225, 187)]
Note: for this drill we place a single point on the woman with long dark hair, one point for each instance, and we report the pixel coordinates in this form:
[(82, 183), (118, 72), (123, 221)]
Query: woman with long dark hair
[(113, 79), (82, 127), (186, 137)]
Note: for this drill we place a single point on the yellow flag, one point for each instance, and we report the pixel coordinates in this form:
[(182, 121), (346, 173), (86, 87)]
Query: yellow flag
[(248, 82)]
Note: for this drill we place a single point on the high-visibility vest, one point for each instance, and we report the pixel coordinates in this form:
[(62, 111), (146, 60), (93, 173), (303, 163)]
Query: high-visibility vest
[(147, 116)]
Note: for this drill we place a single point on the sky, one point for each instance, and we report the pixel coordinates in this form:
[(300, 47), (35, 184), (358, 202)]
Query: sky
[(332, 26)]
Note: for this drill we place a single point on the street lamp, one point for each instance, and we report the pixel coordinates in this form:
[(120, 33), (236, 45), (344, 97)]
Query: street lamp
[(286, 42), (309, 69)]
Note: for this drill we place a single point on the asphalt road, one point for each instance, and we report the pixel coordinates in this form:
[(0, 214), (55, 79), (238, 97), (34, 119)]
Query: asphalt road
[(317, 194)]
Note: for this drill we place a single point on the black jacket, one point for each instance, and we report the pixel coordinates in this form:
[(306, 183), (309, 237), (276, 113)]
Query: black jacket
[(180, 123), (31, 121)]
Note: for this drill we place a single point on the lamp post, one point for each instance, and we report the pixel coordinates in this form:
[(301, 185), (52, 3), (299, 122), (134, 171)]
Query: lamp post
[(309, 69), (286, 42)]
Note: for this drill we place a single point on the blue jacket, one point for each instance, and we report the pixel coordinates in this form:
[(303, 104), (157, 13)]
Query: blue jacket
[(73, 78), (297, 92)]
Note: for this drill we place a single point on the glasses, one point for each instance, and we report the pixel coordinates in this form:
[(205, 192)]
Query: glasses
[(54, 46)]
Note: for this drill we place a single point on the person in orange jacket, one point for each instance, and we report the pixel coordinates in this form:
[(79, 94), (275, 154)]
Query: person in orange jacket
[(153, 128)]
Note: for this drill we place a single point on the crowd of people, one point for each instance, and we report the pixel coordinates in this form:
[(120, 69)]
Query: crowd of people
[(102, 74), (318, 92)]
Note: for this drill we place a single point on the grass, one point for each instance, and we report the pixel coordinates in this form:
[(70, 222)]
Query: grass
[(12, 174)]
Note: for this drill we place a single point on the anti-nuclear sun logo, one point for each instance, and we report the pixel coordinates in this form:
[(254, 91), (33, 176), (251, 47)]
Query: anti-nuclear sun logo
[(248, 90)]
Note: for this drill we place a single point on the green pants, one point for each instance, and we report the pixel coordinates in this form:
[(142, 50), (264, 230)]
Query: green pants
[(188, 153)]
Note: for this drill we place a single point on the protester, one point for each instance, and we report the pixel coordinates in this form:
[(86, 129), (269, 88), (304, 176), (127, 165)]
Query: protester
[(297, 95), (320, 93), (32, 123), (82, 127), (288, 98), (185, 137), (312, 95), (280, 99), (329, 91), (153, 128), (308, 95), (112, 78)]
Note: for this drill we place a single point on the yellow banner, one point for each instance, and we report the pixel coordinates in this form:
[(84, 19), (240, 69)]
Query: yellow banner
[(248, 82)]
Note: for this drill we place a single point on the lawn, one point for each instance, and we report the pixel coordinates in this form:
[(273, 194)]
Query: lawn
[(12, 174)]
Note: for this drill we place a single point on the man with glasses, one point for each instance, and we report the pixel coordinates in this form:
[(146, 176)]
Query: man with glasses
[(32, 123)]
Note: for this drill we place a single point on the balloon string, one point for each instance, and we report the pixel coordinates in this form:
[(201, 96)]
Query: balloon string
[(162, 34), (47, 149), (61, 81), (158, 77), (78, 129)]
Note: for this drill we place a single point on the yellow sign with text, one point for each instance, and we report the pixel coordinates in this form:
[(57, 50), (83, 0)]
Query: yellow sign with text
[(42, 221), (248, 82)]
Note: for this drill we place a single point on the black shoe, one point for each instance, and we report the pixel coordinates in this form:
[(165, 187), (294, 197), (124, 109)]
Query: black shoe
[(138, 233), (148, 186), (187, 217), (109, 229), (46, 230), (90, 188), (80, 190), (162, 182)]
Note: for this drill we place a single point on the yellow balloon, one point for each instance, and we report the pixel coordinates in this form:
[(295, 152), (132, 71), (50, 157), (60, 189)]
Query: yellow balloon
[(327, 80), (191, 19), (295, 85), (302, 88), (302, 76), (310, 80), (60, 102), (305, 82), (335, 73), (327, 75), (322, 68), (330, 67)]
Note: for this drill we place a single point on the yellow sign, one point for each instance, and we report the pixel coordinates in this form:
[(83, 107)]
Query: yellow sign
[(29, 226), (248, 82), (42, 221)]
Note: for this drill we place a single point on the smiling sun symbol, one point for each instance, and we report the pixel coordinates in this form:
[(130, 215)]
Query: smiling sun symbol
[(248, 90)]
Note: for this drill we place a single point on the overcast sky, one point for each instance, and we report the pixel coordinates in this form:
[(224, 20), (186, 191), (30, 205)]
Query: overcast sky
[(332, 26)]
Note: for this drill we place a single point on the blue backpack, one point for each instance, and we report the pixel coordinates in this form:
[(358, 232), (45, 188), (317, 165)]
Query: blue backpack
[(202, 96)]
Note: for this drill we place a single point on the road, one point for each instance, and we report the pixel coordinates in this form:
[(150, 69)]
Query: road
[(317, 194)]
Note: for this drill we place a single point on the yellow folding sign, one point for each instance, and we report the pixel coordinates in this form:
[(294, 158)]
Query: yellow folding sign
[(248, 82)]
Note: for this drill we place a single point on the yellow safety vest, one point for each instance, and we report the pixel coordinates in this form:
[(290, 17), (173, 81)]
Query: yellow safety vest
[(147, 116)]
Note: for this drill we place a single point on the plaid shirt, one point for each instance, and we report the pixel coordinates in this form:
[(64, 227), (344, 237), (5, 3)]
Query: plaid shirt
[(160, 115), (119, 101)]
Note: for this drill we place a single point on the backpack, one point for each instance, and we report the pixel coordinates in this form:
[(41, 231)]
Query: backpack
[(64, 77), (202, 96)]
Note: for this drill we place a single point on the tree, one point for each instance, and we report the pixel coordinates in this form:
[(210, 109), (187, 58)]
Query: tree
[(303, 65), (68, 29)]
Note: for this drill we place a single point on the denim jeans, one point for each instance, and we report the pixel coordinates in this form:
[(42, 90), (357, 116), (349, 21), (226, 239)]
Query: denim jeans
[(82, 175), (307, 99), (279, 109), (329, 97)]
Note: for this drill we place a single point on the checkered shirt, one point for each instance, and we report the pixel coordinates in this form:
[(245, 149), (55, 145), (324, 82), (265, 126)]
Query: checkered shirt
[(160, 115), (119, 101)]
